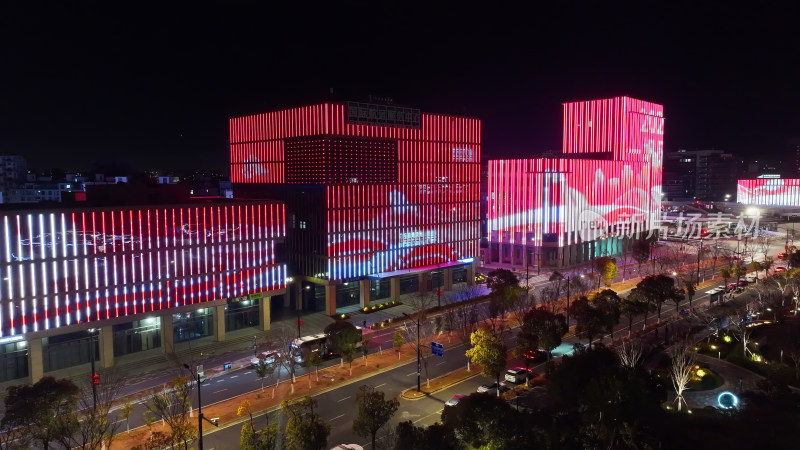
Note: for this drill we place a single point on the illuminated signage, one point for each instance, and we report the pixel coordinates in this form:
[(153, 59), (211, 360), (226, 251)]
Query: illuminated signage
[(769, 192), (62, 268), (382, 115)]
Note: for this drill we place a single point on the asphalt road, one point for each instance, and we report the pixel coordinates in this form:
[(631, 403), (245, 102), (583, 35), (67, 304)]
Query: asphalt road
[(337, 406)]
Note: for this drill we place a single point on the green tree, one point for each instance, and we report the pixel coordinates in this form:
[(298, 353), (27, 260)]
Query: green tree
[(726, 274), (659, 289), (489, 352), (340, 334), (606, 269), (434, 437), (398, 341), (483, 421), (44, 410), (690, 291), (505, 292), (608, 303), (252, 439), (374, 411), (365, 341), (609, 271), (264, 370), (349, 355), (305, 429), (739, 270), (633, 305), (590, 320), (548, 328)]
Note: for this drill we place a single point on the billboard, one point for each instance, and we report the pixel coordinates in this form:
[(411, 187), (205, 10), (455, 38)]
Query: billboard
[(402, 187), (629, 129), (568, 200), (66, 267), (769, 191), (383, 228)]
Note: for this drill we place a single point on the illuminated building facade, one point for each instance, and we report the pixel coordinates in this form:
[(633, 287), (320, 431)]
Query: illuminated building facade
[(769, 191), (605, 185), (381, 200), (144, 277)]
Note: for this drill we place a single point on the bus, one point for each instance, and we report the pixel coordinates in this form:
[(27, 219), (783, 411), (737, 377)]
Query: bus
[(318, 343)]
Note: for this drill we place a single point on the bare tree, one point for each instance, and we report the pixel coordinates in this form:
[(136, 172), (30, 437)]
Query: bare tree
[(683, 361), (95, 430), (629, 353), (287, 356), (466, 320), (738, 325), (172, 405)]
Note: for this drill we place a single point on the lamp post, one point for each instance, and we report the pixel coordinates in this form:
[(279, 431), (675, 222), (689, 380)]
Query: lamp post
[(200, 417), (568, 281), (419, 356), (94, 374), (698, 262)]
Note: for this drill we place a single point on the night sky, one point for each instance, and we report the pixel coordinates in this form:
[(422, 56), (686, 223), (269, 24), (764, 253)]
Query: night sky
[(152, 86)]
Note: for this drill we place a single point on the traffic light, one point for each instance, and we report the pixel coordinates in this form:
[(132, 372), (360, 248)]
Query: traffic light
[(95, 379), (299, 323), (439, 292)]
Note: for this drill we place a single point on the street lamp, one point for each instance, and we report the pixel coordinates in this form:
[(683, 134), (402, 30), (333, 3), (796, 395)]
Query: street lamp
[(95, 380), (200, 417), (698, 261), (419, 356)]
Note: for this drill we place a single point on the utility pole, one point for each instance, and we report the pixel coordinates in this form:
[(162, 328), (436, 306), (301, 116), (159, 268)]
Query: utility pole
[(568, 280), (94, 374), (419, 358), (698, 262), (200, 417)]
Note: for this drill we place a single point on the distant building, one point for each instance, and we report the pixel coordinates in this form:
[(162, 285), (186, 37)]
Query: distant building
[(586, 202), (381, 200), (699, 175), (142, 276), (769, 191)]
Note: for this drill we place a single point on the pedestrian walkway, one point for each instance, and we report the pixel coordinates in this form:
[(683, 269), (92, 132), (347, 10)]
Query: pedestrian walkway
[(737, 380)]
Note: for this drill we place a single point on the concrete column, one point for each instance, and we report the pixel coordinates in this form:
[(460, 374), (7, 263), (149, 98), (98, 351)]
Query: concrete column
[(35, 361), (471, 274), (219, 323), (167, 335), (107, 347), (330, 299), (264, 312), (423, 281), (447, 282), (394, 288), (363, 292)]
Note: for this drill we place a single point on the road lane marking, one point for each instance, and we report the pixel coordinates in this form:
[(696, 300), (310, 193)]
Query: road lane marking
[(382, 384), (431, 414), (343, 399), (412, 373), (342, 415), (234, 376), (217, 392), (439, 364)]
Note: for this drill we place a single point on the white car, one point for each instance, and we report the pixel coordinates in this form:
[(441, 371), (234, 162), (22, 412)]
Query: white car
[(267, 357), (517, 375), (454, 401), (491, 388)]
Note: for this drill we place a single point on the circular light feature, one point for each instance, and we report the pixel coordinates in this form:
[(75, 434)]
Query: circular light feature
[(727, 400)]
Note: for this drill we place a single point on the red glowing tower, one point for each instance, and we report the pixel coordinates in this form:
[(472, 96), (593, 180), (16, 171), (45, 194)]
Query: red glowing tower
[(380, 198)]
